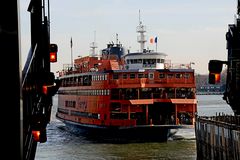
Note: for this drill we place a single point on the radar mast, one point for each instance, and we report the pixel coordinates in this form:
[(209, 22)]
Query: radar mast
[(141, 29), (93, 45)]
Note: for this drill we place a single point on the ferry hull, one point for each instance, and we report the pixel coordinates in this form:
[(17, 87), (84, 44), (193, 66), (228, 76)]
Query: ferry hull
[(141, 133)]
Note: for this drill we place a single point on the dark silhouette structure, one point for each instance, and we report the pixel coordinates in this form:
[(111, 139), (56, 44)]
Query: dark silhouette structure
[(232, 91), (28, 97)]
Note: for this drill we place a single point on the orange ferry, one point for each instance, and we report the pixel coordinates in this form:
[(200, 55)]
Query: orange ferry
[(132, 95)]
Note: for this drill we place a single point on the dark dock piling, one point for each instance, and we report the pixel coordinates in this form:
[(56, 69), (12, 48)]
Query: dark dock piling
[(218, 137)]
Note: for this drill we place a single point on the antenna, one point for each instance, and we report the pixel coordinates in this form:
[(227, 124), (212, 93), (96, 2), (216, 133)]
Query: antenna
[(141, 29), (139, 16), (93, 45), (116, 38)]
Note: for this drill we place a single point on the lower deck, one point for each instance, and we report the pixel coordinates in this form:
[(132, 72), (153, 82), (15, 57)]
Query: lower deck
[(128, 113)]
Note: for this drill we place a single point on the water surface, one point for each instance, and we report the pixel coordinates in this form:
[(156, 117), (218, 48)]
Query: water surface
[(63, 144)]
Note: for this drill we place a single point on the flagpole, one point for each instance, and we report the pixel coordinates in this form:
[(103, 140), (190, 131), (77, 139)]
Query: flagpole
[(156, 40), (71, 52)]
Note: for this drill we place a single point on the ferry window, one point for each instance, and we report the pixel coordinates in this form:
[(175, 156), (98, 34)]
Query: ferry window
[(158, 60), (135, 61), (119, 116), (131, 61), (161, 60), (62, 82), (70, 104), (169, 93), (170, 76), (132, 75), (187, 75), (124, 76), (128, 61), (146, 93), (105, 77), (178, 75), (98, 116), (86, 80), (115, 94), (181, 92), (144, 61), (139, 61), (116, 107), (146, 75), (140, 75), (115, 76), (80, 80), (151, 75), (161, 75)]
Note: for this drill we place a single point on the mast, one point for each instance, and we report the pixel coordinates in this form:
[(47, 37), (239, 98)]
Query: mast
[(71, 44), (141, 29), (93, 45)]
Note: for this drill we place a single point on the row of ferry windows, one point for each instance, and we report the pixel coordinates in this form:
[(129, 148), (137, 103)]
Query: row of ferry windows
[(94, 92), (125, 76), (133, 93), (144, 61), (151, 75), (89, 77)]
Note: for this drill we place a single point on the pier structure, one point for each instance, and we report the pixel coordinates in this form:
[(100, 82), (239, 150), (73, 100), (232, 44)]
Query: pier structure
[(28, 89), (218, 137)]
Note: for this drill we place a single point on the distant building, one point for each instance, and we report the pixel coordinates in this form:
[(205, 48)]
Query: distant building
[(211, 89)]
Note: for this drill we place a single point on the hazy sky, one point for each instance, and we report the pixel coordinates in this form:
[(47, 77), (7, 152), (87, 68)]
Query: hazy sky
[(187, 30)]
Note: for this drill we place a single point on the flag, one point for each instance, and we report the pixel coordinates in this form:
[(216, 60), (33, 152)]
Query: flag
[(155, 40), (151, 40), (71, 42)]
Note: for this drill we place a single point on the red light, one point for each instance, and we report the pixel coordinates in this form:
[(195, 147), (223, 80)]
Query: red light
[(217, 77), (53, 56), (36, 135), (214, 78), (45, 89)]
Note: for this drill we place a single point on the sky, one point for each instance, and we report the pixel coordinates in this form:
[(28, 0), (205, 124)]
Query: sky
[(187, 30)]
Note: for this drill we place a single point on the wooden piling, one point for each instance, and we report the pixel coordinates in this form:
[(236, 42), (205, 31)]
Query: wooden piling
[(218, 137)]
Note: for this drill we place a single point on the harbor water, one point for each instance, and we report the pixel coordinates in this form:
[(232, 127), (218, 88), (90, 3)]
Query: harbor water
[(63, 144)]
